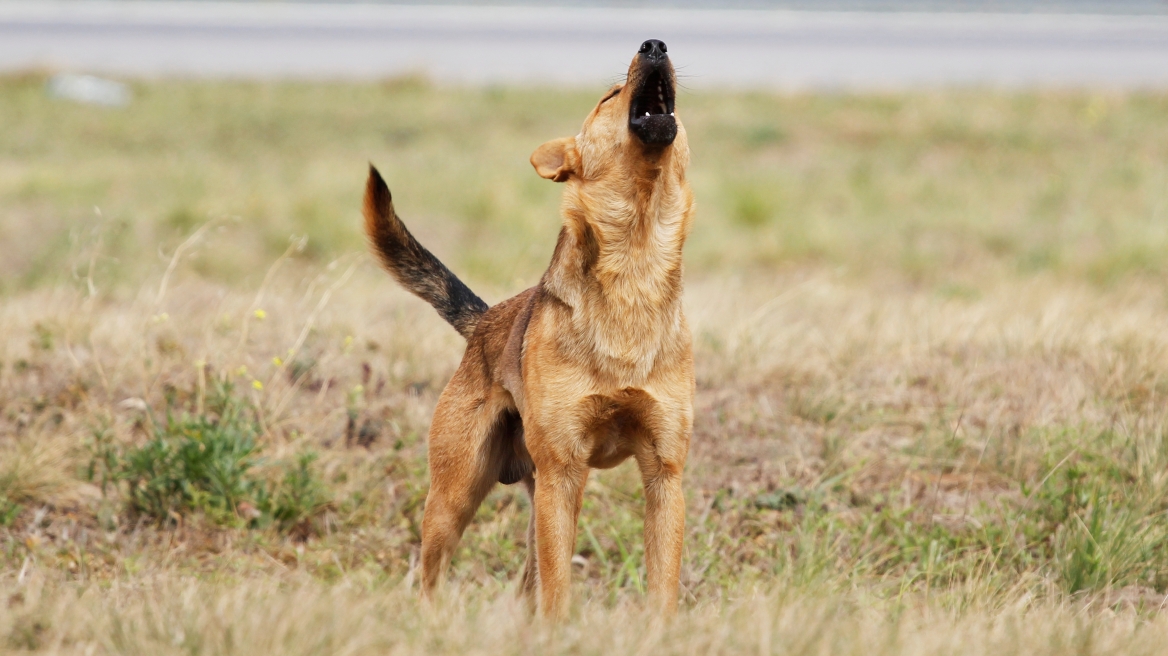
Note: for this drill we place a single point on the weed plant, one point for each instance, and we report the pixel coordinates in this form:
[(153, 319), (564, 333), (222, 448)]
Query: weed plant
[(205, 463)]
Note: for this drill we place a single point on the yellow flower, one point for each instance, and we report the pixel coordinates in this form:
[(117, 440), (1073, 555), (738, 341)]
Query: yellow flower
[(260, 314), (277, 361), (257, 384)]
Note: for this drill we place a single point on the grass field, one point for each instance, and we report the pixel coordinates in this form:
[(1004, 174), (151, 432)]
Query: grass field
[(931, 334)]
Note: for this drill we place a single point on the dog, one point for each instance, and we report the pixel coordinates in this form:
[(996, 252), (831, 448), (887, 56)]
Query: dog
[(589, 367)]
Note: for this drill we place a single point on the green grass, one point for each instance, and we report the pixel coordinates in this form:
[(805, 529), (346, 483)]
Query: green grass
[(929, 338), (203, 460), (947, 187)]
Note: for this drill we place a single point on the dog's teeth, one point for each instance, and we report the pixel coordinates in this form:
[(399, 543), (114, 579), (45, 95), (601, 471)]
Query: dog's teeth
[(661, 97), (672, 114), (646, 113)]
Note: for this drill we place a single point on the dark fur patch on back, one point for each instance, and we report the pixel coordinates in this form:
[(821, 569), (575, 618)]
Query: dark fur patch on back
[(511, 360)]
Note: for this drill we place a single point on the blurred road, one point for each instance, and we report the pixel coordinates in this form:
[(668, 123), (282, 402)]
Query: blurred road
[(777, 49)]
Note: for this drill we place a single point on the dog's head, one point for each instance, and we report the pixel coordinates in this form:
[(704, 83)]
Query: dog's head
[(631, 132)]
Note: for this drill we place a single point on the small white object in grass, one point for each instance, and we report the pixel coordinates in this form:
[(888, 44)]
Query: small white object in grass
[(89, 89), (134, 403)]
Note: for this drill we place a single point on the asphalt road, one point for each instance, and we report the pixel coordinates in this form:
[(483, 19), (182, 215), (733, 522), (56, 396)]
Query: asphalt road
[(585, 46)]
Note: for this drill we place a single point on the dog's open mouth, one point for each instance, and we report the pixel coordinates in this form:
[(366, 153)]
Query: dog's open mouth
[(651, 112)]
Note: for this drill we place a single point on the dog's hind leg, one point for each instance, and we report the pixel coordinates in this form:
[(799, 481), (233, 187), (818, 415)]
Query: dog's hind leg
[(464, 466), (530, 579)]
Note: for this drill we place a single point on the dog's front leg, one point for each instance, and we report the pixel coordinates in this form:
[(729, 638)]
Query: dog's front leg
[(559, 489), (661, 462)]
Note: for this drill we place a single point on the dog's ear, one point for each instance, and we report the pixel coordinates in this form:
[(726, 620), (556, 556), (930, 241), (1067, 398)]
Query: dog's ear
[(556, 159)]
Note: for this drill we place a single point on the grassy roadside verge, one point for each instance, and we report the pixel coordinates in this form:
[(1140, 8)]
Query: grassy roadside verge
[(930, 341)]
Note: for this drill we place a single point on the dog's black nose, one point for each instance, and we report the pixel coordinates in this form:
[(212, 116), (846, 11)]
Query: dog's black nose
[(654, 49)]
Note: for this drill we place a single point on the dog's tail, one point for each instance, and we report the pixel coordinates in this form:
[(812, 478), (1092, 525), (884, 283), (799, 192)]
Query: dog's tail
[(414, 267)]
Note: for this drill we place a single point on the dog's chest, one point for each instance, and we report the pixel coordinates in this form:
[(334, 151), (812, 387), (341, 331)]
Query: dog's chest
[(626, 330), (626, 305)]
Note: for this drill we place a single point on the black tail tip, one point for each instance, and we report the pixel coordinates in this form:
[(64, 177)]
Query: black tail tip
[(376, 185)]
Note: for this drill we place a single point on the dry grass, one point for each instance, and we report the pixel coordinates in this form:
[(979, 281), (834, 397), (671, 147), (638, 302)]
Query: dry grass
[(304, 617), (914, 435)]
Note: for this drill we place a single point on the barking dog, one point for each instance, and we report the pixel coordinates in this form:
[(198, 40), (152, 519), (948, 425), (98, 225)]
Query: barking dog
[(589, 367)]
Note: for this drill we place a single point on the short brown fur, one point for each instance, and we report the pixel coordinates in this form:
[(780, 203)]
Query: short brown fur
[(589, 367)]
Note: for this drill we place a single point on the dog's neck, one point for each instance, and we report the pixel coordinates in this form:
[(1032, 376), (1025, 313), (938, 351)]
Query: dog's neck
[(617, 267)]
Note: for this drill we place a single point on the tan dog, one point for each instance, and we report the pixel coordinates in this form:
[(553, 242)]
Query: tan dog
[(592, 365)]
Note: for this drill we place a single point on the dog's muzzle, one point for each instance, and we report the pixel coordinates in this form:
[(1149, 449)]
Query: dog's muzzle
[(651, 110)]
